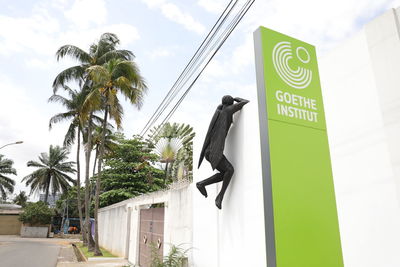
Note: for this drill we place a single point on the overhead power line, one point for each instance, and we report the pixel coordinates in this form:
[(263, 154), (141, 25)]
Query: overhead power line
[(200, 50), (193, 70)]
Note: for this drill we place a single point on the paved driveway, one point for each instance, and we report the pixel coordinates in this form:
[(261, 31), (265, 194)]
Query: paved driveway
[(30, 252)]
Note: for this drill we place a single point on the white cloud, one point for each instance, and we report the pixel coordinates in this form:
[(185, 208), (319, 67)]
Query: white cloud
[(20, 119), (34, 32), (40, 35), (160, 53), (37, 63), (83, 38), (175, 14), (213, 6), (84, 13), (321, 23)]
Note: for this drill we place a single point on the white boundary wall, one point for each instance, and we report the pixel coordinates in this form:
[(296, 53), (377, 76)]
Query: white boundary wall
[(119, 223), (361, 87)]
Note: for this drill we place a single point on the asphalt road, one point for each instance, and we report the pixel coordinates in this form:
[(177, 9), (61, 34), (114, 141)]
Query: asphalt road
[(21, 252)]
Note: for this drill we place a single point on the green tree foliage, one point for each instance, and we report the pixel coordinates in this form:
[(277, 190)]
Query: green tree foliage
[(129, 172), (21, 199), (36, 214), (70, 198), (6, 183), (182, 166), (52, 171)]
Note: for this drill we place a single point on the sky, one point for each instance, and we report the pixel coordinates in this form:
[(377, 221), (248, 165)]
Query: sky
[(163, 35)]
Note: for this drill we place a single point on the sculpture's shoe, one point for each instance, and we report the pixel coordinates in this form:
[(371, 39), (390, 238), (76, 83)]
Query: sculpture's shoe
[(202, 189), (218, 202)]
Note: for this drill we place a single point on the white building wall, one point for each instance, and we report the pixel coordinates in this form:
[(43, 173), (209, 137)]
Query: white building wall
[(119, 224), (361, 88), (233, 236)]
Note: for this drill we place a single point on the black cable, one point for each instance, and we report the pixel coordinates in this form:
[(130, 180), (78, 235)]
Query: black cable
[(182, 81), (188, 64), (234, 23), (174, 90), (227, 33)]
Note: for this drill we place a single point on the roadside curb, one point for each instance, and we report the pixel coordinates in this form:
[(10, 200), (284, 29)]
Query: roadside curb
[(79, 254)]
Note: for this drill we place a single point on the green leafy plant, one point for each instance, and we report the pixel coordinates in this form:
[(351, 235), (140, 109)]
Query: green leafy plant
[(36, 214), (129, 172), (180, 165), (175, 258)]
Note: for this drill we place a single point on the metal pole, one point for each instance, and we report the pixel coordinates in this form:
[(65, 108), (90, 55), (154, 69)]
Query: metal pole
[(15, 143)]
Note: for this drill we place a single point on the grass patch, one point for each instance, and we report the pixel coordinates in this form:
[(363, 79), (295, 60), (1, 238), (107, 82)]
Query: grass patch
[(90, 254)]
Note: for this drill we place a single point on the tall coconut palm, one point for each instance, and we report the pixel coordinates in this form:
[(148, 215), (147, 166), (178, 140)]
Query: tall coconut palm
[(99, 53), (115, 76), (6, 184), (78, 118), (52, 172)]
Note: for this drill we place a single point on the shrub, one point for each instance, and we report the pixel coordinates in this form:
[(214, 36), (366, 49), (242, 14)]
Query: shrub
[(36, 214), (175, 258)]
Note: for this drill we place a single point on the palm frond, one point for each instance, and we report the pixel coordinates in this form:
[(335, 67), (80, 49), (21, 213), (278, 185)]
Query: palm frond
[(60, 117), (98, 74), (69, 137), (69, 74), (115, 54), (74, 52)]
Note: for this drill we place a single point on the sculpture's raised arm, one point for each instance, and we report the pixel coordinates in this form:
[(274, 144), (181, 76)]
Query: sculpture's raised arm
[(240, 103)]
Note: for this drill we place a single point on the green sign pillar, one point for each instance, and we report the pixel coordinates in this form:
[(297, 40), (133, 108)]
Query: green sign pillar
[(301, 220)]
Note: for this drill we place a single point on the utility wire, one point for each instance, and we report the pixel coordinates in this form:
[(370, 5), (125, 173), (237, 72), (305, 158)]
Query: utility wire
[(198, 52), (194, 64), (225, 36)]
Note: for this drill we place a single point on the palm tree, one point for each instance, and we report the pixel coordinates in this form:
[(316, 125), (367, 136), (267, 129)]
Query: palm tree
[(99, 53), (6, 183), (78, 118), (21, 199), (114, 76), (52, 172)]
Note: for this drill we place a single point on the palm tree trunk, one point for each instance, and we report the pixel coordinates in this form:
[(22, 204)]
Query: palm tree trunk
[(97, 251), (62, 221), (46, 196), (166, 173), (87, 183), (78, 186), (95, 159)]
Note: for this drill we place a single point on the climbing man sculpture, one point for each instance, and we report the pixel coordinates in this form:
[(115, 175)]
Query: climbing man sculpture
[(214, 143)]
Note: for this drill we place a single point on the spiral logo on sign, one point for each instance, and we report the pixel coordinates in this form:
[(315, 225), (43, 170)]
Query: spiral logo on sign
[(298, 78)]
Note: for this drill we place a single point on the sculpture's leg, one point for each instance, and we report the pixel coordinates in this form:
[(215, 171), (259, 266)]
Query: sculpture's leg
[(212, 180), (225, 167)]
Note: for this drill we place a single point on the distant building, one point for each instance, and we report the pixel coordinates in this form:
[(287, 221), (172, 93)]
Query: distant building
[(51, 199), (9, 222)]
